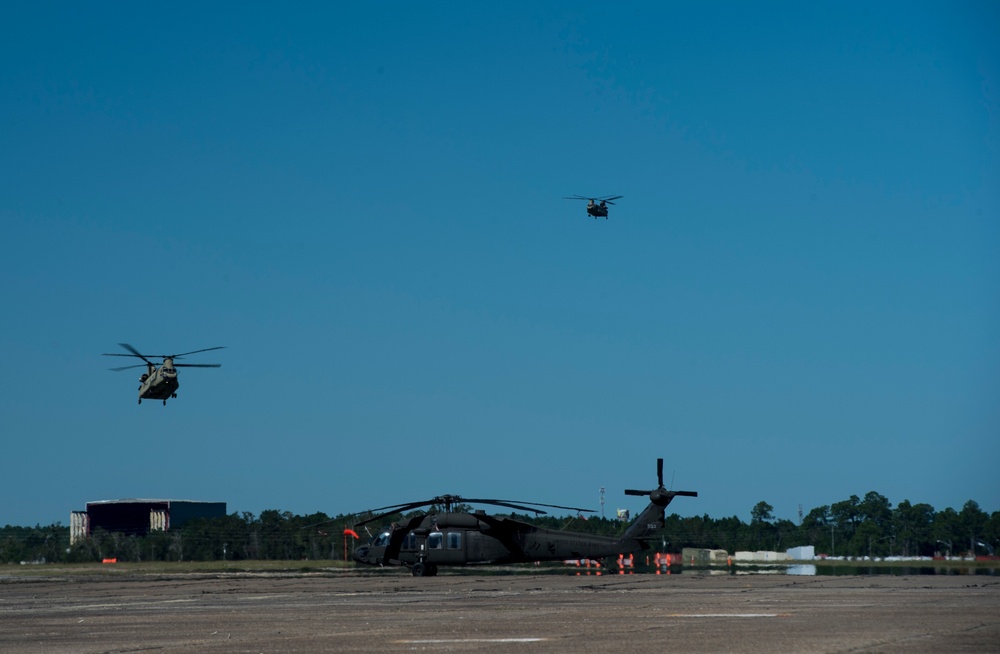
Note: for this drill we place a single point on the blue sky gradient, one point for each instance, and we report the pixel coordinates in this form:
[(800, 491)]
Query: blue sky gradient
[(797, 300)]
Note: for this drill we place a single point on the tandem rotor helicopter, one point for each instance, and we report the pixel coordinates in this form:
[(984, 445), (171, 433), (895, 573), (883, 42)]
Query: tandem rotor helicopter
[(425, 542), (593, 208), (160, 383)]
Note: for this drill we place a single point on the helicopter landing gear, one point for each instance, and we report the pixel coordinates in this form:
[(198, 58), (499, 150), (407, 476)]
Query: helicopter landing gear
[(174, 395), (140, 400), (421, 569), (164, 403)]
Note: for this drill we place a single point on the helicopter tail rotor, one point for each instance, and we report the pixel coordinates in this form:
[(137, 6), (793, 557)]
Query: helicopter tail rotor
[(660, 495)]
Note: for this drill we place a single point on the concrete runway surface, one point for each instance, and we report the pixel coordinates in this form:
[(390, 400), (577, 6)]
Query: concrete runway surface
[(390, 611)]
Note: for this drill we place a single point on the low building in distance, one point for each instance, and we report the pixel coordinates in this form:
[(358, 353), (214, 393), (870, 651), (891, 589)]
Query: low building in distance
[(139, 516)]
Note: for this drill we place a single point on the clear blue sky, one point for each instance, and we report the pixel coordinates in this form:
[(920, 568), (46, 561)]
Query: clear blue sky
[(797, 300)]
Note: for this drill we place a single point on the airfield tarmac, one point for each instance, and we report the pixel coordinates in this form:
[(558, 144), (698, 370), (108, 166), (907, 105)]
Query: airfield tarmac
[(394, 612)]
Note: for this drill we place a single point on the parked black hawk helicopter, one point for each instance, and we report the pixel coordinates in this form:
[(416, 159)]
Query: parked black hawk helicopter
[(160, 383), (424, 542), (593, 208)]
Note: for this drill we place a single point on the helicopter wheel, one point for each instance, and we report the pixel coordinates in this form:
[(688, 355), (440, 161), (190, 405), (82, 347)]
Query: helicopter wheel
[(140, 400), (432, 569), (174, 395), (420, 570), (164, 403)]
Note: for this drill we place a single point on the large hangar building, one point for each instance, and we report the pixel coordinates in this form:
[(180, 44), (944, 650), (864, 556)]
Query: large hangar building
[(139, 517)]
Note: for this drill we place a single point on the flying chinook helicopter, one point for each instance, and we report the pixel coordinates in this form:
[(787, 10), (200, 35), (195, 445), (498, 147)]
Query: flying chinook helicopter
[(425, 542), (160, 383), (593, 208)]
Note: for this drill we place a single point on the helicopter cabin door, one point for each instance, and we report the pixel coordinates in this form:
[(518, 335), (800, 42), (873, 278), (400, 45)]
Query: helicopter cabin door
[(447, 545)]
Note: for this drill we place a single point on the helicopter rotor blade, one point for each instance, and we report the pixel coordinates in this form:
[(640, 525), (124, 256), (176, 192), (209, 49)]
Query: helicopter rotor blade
[(379, 516), (509, 505), (184, 354), (640, 493), (131, 349), (392, 509), (449, 500), (138, 365), (607, 199), (197, 365), (134, 353), (659, 472), (551, 506), (323, 522), (406, 506)]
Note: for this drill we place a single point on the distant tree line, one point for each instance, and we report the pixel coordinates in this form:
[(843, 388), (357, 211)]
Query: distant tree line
[(855, 527)]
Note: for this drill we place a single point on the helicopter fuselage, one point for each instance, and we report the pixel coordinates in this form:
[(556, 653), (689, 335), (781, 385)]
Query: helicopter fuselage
[(159, 383), (597, 210), (458, 539)]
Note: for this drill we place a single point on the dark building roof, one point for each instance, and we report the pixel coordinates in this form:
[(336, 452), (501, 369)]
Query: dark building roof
[(133, 515)]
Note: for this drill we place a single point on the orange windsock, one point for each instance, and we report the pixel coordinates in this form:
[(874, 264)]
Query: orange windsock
[(351, 532)]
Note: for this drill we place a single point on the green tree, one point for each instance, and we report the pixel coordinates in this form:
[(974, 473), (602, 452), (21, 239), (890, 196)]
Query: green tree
[(948, 531), (973, 521), (876, 508), (815, 528), (761, 516), (786, 535), (913, 525), (991, 531), (846, 518), (761, 512)]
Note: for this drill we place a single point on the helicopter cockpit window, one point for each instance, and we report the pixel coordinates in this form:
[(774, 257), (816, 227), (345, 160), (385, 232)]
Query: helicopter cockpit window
[(435, 540), (454, 540), (410, 542), (382, 540)]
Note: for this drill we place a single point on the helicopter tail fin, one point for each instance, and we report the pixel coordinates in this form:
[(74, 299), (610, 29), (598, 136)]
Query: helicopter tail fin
[(651, 518)]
